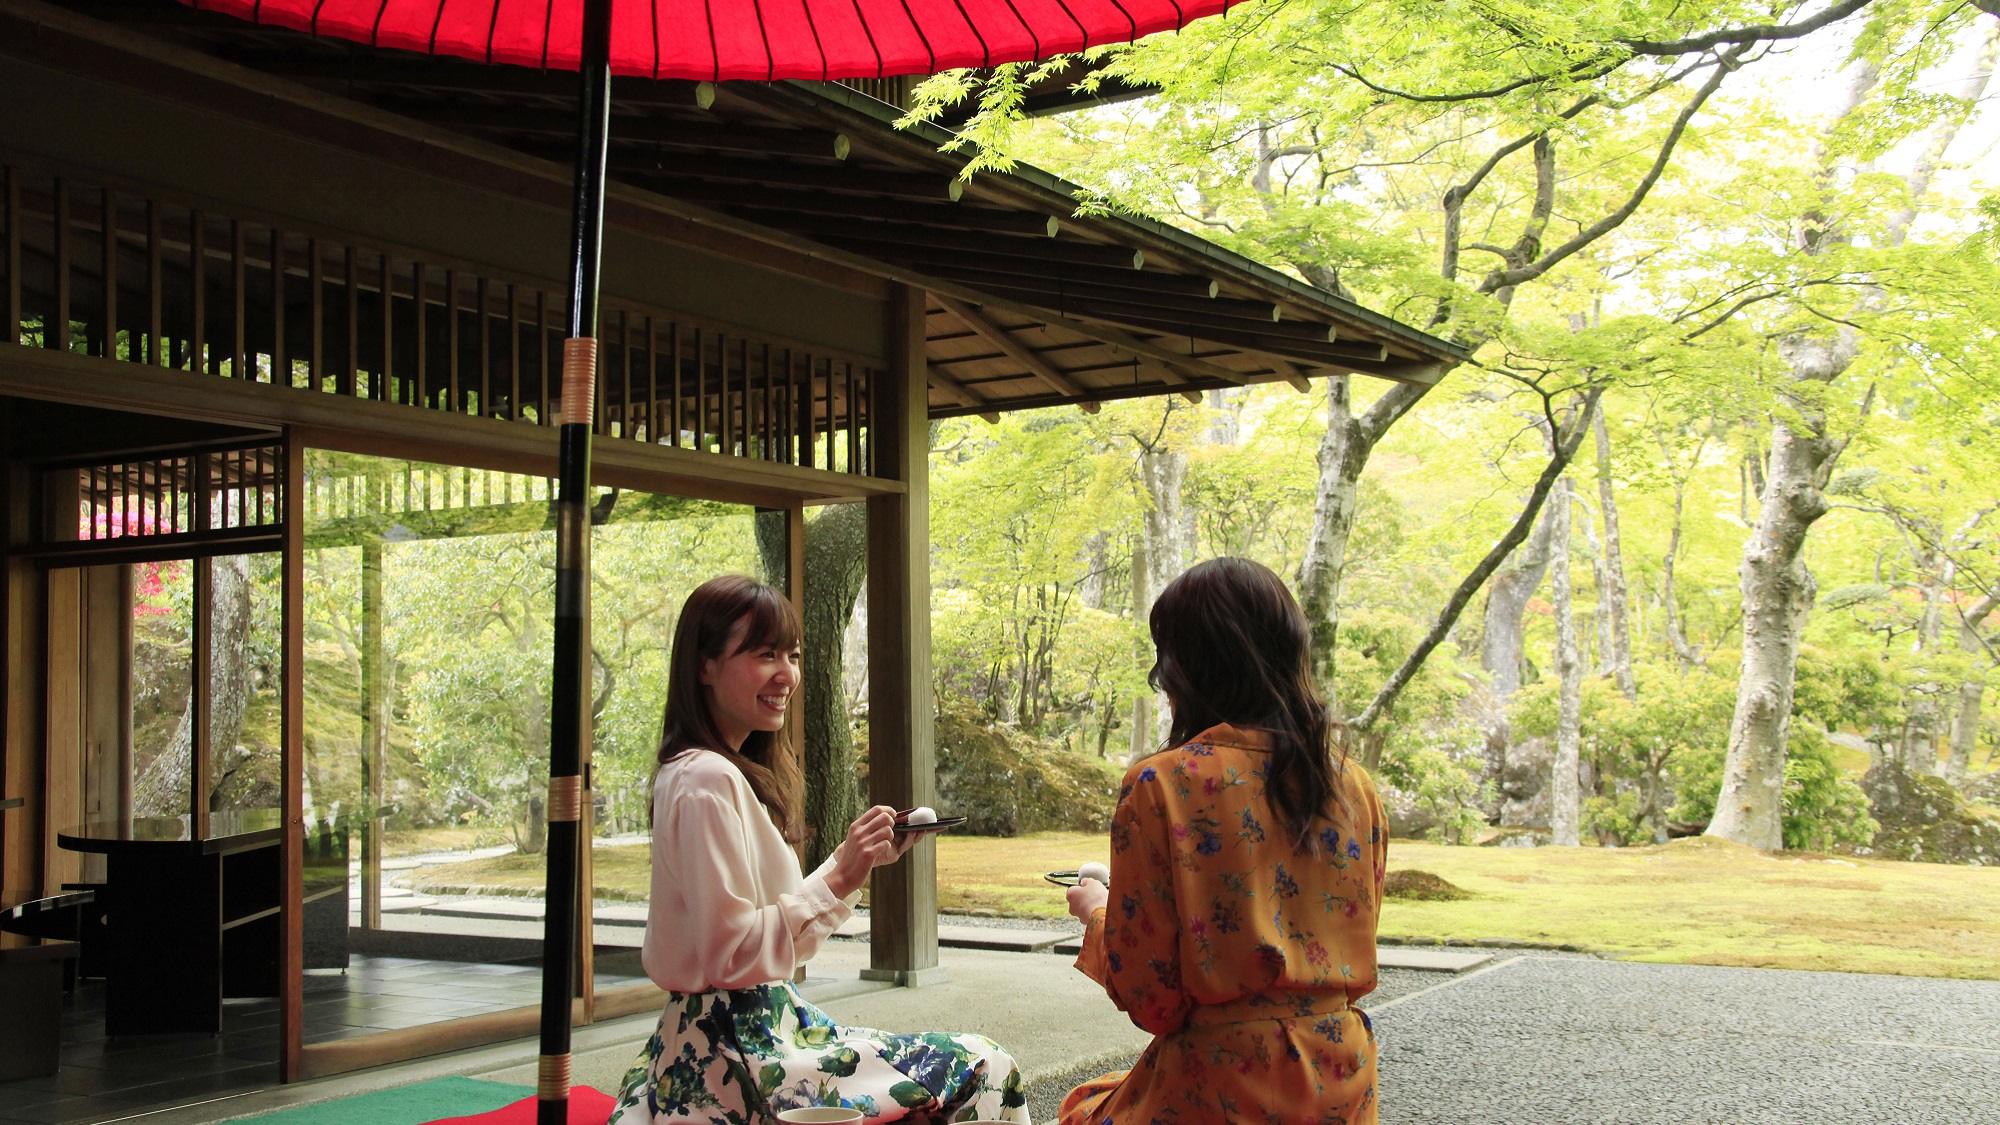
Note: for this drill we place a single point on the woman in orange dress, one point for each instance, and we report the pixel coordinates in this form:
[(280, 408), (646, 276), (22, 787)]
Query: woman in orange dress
[(1246, 872)]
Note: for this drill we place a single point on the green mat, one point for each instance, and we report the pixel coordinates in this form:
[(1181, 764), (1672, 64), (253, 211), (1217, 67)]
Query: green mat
[(404, 1105)]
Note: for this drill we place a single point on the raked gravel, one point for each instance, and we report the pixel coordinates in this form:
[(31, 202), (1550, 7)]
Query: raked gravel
[(1542, 1039)]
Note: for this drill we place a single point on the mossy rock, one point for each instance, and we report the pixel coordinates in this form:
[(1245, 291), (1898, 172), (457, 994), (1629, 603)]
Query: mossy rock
[(1925, 820), (1006, 783), (1411, 885)]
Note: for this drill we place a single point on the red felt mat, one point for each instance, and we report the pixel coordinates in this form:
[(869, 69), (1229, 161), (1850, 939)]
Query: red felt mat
[(586, 1107)]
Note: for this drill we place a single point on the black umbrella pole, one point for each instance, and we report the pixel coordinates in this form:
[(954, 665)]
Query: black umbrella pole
[(568, 694)]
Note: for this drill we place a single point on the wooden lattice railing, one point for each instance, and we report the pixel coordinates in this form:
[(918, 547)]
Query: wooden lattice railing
[(219, 498), (136, 274)]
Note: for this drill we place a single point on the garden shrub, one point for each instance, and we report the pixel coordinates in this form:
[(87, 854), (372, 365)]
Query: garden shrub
[(1823, 807), (1412, 885), (1006, 783)]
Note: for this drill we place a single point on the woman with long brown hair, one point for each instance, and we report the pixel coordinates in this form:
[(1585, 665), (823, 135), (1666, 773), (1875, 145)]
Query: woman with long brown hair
[(731, 917), (1246, 872)]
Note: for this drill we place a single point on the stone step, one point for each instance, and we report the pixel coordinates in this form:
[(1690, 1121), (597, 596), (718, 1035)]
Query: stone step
[(524, 910), (1423, 960), (1430, 960), (997, 938)]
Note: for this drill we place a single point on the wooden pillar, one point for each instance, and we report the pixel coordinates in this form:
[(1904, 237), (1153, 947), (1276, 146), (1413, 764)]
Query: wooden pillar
[(201, 694), (374, 732), (902, 756), (794, 733), (292, 756), (22, 830), (107, 702), (62, 731)]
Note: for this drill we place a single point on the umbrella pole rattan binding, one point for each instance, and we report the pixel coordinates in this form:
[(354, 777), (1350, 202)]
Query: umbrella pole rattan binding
[(568, 693)]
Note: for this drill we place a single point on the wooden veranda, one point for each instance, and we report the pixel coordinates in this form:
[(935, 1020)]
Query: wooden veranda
[(223, 246)]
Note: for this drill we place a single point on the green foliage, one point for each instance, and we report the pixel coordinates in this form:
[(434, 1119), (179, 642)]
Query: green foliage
[(1006, 783), (1616, 819), (467, 620), (1823, 807)]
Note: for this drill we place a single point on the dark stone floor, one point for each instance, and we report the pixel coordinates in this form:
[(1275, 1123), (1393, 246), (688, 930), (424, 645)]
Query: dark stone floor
[(102, 1080)]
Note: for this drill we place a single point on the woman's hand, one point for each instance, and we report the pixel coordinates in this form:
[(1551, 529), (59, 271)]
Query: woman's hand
[(1087, 898), (871, 842)]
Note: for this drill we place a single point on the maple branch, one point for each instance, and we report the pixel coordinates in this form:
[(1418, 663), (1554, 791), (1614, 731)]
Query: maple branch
[(1744, 36), (1502, 279)]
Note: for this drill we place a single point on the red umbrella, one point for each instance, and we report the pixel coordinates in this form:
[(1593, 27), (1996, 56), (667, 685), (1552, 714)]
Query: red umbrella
[(759, 40), (705, 40)]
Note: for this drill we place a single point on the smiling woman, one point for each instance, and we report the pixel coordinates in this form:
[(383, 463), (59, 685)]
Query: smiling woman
[(731, 918)]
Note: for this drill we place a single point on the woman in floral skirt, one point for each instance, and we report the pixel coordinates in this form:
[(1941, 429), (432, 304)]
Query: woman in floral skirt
[(731, 918), (1246, 871)]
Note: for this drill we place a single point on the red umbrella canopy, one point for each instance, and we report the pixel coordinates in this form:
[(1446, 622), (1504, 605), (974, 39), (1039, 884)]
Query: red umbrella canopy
[(759, 40)]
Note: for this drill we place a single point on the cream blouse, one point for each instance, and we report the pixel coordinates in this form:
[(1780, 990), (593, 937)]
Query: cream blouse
[(729, 908)]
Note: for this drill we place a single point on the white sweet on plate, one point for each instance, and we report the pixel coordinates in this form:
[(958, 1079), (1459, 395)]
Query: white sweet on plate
[(1095, 871), (923, 814)]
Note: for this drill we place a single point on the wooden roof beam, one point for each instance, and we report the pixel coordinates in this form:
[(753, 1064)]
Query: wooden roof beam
[(770, 206), (1252, 335), (785, 174), (1014, 349), (626, 128), (1288, 371), (377, 74), (1307, 343), (959, 392), (1052, 281), (1170, 290), (934, 244), (1165, 373)]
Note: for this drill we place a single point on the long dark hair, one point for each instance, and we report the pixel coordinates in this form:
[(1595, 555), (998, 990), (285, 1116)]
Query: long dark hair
[(1233, 647), (708, 618)]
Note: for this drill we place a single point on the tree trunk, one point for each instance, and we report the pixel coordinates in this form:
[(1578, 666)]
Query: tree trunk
[(536, 837), (1778, 589), (836, 561), (1669, 598), (1564, 444), (1611, 600), (1564, 817), (1161, 555), (1502, 641), (163, 789), (1923, 728), (1778, 592), (1342, 456), (1097, 572), (1971, 693)]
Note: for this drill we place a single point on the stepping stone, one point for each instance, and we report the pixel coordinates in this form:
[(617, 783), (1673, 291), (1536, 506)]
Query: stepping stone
[(1430, 960), (633, 915), (524, 910), (994, 938), (974, 937), (1426, 960)]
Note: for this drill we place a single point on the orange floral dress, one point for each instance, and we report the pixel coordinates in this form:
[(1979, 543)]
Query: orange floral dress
[(1240, 953)]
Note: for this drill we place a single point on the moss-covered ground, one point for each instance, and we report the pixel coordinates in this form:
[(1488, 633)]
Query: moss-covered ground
[(1695, 901)]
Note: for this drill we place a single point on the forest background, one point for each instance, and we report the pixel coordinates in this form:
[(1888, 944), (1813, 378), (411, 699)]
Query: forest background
[(1703, 540)]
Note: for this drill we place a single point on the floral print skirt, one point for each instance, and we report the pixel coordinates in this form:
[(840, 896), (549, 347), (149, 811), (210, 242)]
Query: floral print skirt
[(739, 1057)]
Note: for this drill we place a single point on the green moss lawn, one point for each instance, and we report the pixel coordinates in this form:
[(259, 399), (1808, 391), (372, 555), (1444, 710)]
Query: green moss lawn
[(1700, 902)]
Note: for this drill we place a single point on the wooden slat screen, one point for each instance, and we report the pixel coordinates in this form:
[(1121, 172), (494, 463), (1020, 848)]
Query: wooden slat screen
[(140, 275), (195, 497)]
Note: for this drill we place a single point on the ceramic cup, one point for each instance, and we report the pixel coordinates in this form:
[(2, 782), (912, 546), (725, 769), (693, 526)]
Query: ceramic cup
[(818, 1115)]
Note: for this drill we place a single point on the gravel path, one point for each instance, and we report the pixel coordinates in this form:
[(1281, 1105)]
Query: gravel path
[(1551, 1040)]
